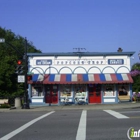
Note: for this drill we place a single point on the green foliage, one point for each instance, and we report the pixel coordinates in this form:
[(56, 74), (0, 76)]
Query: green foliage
[(5, 105), (8, 62), (136, 79), (136, 84), (136, 66)]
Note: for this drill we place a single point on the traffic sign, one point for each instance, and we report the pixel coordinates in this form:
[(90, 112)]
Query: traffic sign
[(21, 78), (2, 40)]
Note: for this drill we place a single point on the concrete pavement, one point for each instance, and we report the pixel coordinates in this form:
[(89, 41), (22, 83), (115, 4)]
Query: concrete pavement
[(89, 107), (125, 105)]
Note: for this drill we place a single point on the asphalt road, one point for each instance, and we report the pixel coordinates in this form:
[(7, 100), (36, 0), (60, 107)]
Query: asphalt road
[(69, 124)]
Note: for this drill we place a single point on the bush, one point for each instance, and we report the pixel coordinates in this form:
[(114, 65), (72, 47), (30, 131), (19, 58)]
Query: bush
[(5, 105)]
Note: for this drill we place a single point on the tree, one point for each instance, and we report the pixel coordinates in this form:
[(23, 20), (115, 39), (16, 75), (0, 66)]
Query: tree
[(136, 66), (135, 73), (8, 62)]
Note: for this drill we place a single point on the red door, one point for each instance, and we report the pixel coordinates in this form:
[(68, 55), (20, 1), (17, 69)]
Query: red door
[(51, 94), (91, 93), (48, 93), (94, 91), (54, 94)]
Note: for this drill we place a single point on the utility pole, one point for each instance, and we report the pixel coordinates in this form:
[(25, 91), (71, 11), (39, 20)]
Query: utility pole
[(26, 101)]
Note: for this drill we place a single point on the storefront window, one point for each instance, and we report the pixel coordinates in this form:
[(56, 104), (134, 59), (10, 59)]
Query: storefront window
[(65, 90), (37, 90), (108, 90), (80, 90), (123, 89)]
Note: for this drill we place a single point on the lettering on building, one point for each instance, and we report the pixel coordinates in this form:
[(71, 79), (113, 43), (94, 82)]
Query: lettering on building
[(79, 62), (115, 61)]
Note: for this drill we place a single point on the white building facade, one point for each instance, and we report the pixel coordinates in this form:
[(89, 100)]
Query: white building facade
[(93, 77)]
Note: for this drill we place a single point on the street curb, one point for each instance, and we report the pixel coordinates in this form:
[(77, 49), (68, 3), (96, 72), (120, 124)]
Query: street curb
[(77, 107)]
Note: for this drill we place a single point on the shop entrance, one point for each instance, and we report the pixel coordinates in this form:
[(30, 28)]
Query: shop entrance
[(51, 94), (94, 91)]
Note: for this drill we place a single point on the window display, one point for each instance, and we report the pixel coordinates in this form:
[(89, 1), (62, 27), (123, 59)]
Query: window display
[(65, 90), (37, 90), (80, 90), (123, 89), (108, 90)]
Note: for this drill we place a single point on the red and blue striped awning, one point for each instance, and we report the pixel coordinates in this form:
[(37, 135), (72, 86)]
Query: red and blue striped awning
[(85, 78), (36, 78)]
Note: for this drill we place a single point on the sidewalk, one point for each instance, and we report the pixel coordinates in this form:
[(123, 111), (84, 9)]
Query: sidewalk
[(129, 105), (126, 105)]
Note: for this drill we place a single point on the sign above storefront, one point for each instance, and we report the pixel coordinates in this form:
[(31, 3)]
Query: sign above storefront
[(44, 62), (79, 62), (115, 61)]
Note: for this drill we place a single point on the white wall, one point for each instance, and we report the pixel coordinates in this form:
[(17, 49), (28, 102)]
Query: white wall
[(100, 65)]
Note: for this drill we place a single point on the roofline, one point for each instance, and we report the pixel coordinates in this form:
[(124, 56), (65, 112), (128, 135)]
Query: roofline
[(81, 54)]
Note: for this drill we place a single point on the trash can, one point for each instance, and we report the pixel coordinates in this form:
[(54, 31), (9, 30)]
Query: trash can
[(17, 102)]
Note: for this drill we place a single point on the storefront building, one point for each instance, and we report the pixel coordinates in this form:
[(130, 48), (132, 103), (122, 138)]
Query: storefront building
[(93, 77)]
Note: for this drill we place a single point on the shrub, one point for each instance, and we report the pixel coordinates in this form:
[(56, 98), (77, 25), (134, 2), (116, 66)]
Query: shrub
[(5, 105)]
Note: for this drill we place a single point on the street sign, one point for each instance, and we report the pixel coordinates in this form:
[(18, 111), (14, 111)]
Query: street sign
[(2, 40), (21, 78)]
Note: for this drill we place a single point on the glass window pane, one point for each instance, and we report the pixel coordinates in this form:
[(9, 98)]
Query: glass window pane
[(123, 89), (37, 90), (65, 90), (80, 90), (109, 90)]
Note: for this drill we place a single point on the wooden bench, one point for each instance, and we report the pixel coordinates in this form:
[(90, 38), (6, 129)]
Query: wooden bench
[(124, 98), (3, 101)]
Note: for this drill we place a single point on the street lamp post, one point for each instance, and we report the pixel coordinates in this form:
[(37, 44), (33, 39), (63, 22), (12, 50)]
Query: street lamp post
[(26, 101)]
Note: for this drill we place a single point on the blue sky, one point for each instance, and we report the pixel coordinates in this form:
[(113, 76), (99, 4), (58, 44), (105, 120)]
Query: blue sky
[(61, 25)]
